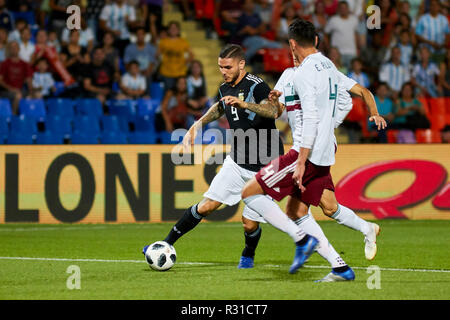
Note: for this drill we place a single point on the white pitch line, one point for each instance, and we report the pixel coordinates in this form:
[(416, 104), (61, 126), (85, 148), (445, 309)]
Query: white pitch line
[(210, 264)]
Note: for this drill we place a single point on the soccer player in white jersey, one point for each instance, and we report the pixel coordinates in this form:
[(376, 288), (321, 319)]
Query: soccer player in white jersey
[(304, 172)]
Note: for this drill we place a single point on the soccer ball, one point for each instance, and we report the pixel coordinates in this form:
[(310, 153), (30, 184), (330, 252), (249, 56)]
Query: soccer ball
[(160, 255)]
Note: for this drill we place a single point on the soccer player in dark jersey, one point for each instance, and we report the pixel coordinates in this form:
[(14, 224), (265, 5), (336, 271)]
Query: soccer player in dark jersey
[(255, 143)]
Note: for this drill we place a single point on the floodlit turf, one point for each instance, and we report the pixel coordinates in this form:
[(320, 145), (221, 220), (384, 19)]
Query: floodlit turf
[(112, 265)]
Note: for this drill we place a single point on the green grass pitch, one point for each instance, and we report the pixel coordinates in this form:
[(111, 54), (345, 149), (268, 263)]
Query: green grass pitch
[(413, 257)]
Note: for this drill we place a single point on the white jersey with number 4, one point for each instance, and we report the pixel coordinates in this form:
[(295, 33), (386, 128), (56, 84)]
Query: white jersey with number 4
[(317, 82), (291, 100)]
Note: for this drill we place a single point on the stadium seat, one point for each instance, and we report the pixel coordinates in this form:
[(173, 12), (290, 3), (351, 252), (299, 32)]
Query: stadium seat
[(111, 137), (437, 113), (83, 138), (122, 108), (19, 138), (358, 112), (144, 123), (4, 130), (166, 138), (157, 91), (23, 124), (61, 106), (5, 108), (392, 136), (33, 108), (425, 105), (139, 137), (88, 124), (146, 107), (88, 106), (276, 60), (58, 124), (110, 123), (49, 137), (428, 136), (59, 88)]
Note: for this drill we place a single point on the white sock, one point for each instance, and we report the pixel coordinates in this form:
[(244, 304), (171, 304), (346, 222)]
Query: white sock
[(272, 213), (348, 218), (309, 225)]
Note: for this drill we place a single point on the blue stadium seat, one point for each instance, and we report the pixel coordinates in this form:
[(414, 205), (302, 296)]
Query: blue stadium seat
[(88, 106), (83, 138), (19, 138), (157, 91), (142, 138), (114, 123), (122, 108), (146, 107), (5, 108), (166, 138), (88, 124), (59, 124), (61, 107), (23, 124), (111, 137), (33, 108), (144, 123), (28, 16), (49, 137), (4, 130), (60, 88)]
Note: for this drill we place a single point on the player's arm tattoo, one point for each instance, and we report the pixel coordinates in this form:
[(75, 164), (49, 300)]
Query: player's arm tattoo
[(265, 108), (214, 113)]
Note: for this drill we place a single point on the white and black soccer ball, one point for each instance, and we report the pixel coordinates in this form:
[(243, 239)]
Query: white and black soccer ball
[(160, 255)]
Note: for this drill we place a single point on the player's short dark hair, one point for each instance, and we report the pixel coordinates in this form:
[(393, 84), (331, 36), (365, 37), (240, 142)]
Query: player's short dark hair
[(303, 32), (234, 51)]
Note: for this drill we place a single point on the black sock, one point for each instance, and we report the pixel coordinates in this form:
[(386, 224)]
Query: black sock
[(186, 223), (251, 242), (302, 241), (341, 269)]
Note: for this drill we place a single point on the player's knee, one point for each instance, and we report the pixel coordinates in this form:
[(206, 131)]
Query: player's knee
[(207, 206), (249, 225), (329, 209)]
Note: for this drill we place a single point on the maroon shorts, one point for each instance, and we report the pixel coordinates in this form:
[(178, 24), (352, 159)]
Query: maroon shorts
[(276, 179)]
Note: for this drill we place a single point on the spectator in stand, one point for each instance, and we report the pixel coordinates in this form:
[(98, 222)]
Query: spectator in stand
[(444, 77), (394, 73), (249, 32), (341, 29), (74, 57), (86, 36), (389, 18), (445, 134), (407, 48), (288, 15), (99, 77), (320, 18), (373, 56), (415, 9), (331, 7), (173, 51), (14, 74), (43, 82), (53, 41), (229, 12), (14, 35), (93, 10), (6, 18), (358, 8), (58, 15), (425, 74), (132, 84), (152, 11), (118, 18), (112, 54), (409, 112), (385, 108), (196, 90), (26, 46), (3, 43), (174, 107), (144, 53), (357, 74), (433, 30), (335, 56)]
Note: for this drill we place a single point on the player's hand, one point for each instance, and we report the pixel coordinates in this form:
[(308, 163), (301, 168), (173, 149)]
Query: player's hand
[(274, 95), (379, 121), (189, 139), (233, 101), (298, 176)]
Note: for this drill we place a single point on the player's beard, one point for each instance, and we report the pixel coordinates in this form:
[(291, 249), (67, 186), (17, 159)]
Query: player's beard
[(234, 78)]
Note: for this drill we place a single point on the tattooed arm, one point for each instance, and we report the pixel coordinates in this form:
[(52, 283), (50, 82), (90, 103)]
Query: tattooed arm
[(214, 113), (266, 108)]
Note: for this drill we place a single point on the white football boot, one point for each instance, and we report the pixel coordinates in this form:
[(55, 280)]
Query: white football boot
[(371, 241)]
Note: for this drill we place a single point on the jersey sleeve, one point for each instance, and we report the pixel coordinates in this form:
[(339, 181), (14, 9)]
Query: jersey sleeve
[(305, 85), (279, 86), (261, 92), (344, 101), (345, 82)]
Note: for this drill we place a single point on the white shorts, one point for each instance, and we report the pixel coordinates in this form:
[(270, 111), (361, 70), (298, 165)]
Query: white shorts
[(227, 186)]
